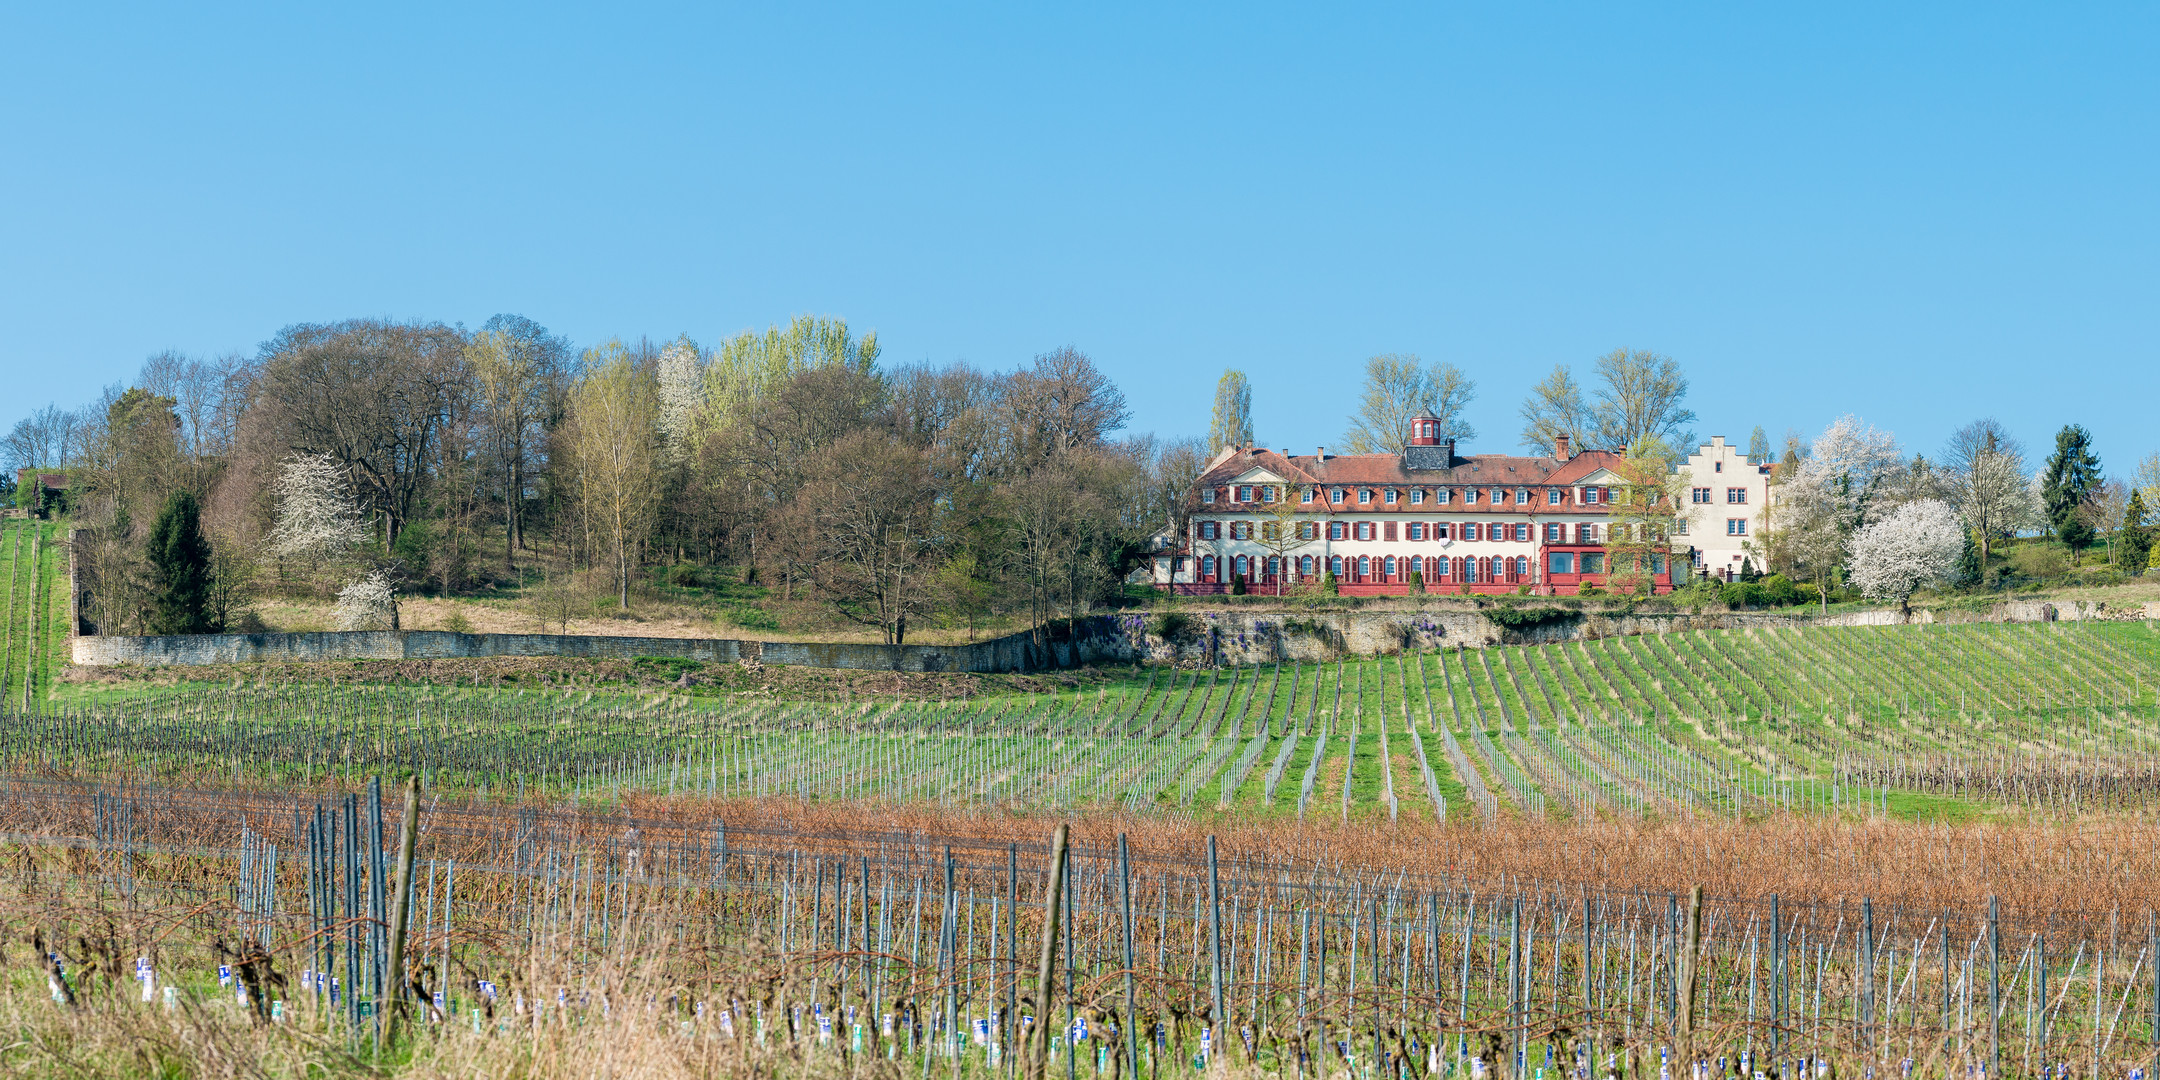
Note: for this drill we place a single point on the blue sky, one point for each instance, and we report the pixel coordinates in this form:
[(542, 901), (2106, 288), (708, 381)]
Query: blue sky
[(1920, 214)]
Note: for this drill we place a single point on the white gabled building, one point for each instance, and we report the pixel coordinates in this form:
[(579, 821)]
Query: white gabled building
[(1726, 507)]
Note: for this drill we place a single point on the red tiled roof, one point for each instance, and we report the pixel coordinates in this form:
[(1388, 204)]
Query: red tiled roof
[(1475, 470)]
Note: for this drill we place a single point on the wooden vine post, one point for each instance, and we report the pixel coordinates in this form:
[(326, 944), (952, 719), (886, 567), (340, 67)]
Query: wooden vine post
[(1684, 1041), (1038, 1036)]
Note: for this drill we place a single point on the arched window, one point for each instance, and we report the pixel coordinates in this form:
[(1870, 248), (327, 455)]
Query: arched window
[(1522, 567), (1364, 567), (1241, 566), (1207, 567), (1335, 566), (1387, 569), (1304, 566)]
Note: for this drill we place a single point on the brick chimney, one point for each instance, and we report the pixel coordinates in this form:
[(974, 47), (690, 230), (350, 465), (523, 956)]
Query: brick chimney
[(1447, 446), (1319, 453), (1560, 446)]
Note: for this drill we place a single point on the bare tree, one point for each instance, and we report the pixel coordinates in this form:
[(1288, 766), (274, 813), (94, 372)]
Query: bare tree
[(1641, 394), (1985, 467), (1398, 387), (372, 394), (520, 370), (1062, 402), (1556, 408), (868, 515), (613, 443)]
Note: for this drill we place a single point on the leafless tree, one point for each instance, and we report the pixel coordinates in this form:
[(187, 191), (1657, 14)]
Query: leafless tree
[(373, 394)]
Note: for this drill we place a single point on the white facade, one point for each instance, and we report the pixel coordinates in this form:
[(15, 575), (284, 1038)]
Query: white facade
[(1725, 500)]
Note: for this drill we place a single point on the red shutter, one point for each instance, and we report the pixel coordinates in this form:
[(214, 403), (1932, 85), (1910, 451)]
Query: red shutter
[(1390, 529)]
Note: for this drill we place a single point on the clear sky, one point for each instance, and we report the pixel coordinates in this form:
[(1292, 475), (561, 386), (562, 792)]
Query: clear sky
[(1921, 214)]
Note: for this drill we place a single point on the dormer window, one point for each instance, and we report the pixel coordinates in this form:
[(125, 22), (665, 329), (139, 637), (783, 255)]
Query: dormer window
[(1244, 493), (1207, 495), (1338, 496), (1553, 496), (1307, 497), (1469, 496), (1442, 496), (1417, 496), (1522, 496), (1364, 496), (1499, 496), (1391, 496)]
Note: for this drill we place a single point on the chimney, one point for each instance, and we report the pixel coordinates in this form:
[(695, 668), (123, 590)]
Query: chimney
[(1560, 446), (1319, 453), (1447, 446)]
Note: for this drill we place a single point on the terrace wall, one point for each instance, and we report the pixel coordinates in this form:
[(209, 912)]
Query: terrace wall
[(1232, 637), (1014, 653)]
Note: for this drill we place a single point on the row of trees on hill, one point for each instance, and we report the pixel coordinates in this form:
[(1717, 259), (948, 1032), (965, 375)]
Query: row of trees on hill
[(1851, 506), (370, 455), (364, 457)]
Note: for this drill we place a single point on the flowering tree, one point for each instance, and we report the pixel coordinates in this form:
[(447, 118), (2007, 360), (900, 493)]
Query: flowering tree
[(1916, 544), (315, 515), (368, 604)]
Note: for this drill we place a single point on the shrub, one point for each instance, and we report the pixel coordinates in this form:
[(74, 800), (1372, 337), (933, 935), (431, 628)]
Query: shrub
[(1237, 584), (1170, 625), (2039, 560), (1329, 585)]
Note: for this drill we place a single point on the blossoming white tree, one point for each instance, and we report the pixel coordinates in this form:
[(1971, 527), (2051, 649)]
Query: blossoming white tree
[(1917, 544), (315, 515), (368, 604)]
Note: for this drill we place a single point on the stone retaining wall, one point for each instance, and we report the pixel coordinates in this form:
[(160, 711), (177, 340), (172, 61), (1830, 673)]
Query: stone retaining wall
[(1015, 653), (1225, 637)]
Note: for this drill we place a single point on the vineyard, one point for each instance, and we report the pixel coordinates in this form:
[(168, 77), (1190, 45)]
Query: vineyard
[(34, 645), (677, 937), (1924, 848), (1925, 721)]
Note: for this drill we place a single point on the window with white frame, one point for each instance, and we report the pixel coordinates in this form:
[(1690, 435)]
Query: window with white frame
[(1207, 495), (1364, 496), (1469, 496), (1390, 497), (1308, 498), (1244, 493), (1442, 496), (1417, 530), (1554, 496), (1417, 496), (1338, 496), (1267, 494)]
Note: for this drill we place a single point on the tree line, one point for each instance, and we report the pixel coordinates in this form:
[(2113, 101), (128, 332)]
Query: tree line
[(370, 456)]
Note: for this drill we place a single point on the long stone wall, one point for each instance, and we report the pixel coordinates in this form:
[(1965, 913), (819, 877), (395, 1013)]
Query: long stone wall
[(1014, 653), (1226, 637)]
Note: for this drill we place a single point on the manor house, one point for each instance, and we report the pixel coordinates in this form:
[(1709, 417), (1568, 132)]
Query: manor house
[(1481, 523)]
